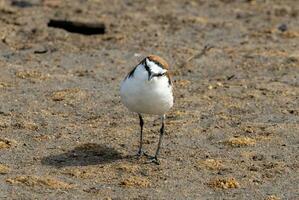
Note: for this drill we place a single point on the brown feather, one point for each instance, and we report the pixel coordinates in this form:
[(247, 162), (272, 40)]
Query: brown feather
[(158, 60)]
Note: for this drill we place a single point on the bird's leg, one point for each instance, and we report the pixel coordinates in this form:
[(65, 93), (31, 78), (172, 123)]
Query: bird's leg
[(155, 158), (140, 150)]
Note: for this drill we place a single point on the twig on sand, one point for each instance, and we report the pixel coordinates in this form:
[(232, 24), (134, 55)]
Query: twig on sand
[(197, 55)]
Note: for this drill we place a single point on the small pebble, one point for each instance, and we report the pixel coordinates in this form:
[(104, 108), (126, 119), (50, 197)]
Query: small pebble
[(283, 27)]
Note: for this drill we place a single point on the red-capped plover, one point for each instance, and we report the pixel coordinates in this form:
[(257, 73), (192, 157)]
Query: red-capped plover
[(147, 89)]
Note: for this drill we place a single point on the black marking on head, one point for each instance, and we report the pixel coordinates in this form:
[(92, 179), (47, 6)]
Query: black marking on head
[(147, 68), (159, 75), (165, 74)]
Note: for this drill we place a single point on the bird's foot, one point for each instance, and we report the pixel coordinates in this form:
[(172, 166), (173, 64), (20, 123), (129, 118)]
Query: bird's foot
[(140, 153), (154, 159)]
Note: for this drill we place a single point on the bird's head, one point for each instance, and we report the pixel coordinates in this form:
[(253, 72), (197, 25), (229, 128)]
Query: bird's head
[(155, 66)]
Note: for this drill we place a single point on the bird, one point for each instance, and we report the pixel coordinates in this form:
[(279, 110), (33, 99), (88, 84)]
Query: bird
[(148, 89)]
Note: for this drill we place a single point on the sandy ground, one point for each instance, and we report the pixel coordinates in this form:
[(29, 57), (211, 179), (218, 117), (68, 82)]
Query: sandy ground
[(232, 134)]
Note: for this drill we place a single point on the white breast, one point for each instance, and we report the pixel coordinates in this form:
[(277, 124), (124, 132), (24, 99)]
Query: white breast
[(142, 96)]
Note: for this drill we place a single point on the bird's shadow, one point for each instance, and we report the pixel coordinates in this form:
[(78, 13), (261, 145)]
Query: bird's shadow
[(83, 155)]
